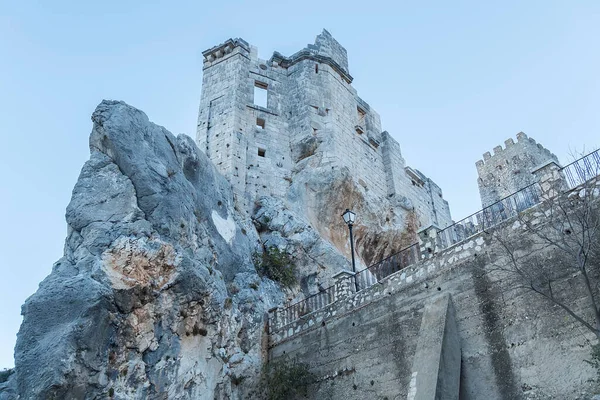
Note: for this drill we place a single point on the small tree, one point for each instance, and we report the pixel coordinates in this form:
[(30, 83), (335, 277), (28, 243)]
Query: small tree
[(562, 240)]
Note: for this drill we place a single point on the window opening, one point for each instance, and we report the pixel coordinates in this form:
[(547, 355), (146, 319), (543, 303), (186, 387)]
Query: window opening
[(360, 126), (260, 94), (260, 123), (316, 68), (361, 116), (261, 152)]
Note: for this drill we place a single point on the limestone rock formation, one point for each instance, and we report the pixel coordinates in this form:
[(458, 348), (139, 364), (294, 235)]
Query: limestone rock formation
[(316, 259), (322, 194), (156, 295)]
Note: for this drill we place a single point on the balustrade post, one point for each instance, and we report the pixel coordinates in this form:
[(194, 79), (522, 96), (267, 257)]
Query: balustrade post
[(551, 179), (344, 281), (428, 238), (280, 317), (275, 319)]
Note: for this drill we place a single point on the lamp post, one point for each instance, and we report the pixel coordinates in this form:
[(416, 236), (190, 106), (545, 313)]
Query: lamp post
[(349, 218)]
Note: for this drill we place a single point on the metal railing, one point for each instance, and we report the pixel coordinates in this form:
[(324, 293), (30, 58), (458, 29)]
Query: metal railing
[(307, 305), (582, 170), (491, 215), (384, 268)]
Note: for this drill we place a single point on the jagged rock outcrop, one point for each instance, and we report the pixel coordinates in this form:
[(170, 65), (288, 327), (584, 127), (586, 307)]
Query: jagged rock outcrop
[(316, 260), (152, 298)]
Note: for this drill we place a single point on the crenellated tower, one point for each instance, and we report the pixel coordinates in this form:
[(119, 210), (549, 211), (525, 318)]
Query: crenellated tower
[(510, 168)]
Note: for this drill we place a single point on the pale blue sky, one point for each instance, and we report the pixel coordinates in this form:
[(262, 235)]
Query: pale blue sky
[(450, 80)]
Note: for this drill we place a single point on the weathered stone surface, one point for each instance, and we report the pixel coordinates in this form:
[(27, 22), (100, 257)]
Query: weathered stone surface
[(8, 389), (157, 294), (323, 194), (316, 259), (142, 304)]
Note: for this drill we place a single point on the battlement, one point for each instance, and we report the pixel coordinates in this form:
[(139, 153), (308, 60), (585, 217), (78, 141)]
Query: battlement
[(524, 143), (220, 51), (510, 168)]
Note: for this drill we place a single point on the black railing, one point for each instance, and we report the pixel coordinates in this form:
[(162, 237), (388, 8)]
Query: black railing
[(307, 305), (384, 268), (459, 231), (582, 170), (490, 216)]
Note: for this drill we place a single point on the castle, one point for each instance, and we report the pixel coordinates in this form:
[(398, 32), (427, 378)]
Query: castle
[(259, 120)]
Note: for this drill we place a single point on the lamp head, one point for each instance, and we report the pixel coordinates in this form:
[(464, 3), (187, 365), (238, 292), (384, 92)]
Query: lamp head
[(349, 217)]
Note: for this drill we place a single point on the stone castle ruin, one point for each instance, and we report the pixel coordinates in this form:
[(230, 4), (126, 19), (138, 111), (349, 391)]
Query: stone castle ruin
[(263, 121), (159, 294)]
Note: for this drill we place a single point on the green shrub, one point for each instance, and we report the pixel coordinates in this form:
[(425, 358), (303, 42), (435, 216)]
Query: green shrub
[(283, 380), (5, 374), (277, 266)]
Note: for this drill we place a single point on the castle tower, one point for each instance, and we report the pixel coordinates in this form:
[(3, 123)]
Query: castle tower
[(220, 120), (260, 120), (510, 169)]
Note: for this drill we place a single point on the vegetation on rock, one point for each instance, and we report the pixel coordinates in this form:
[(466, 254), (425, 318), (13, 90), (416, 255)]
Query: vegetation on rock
[(276, 265)]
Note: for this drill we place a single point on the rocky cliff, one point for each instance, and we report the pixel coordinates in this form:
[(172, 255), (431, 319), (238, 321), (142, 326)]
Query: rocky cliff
[(156, 295)]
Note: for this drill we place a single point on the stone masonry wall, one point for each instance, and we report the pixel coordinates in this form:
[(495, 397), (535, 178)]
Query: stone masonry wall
[(510, 169), (363, 345), (312, 109)]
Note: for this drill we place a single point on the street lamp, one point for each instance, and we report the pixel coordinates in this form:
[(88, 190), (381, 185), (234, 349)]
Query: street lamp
[(349, 218)]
